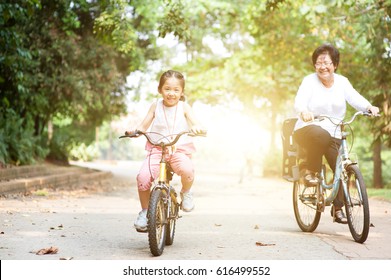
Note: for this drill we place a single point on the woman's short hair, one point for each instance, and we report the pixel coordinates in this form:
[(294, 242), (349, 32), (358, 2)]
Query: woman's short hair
[(326, 49)]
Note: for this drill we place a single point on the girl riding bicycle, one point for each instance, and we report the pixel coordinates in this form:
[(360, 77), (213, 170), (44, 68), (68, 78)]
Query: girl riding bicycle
[(166, 118), (325, 93)]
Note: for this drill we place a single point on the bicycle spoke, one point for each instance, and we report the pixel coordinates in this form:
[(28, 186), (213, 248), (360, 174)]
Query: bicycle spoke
[(305, 206), (358, 208)]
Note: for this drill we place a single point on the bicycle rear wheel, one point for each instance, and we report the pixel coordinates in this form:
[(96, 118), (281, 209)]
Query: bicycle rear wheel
[(173, 216), (305, 206), (357, 205), (157, 222)]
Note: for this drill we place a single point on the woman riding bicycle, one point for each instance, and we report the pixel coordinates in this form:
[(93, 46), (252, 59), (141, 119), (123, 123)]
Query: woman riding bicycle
[(165, 118), (325, 93)]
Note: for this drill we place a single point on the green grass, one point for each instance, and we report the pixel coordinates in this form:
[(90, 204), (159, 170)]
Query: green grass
[(380, 193)]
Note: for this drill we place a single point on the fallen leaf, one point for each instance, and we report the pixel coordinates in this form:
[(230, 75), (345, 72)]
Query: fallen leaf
[(256, 227), (66, 259), (58, 227), (47, 251), (218, 225), (264, 244)]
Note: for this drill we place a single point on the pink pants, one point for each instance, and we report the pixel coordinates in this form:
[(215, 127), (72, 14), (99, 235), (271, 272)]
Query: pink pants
[(180, 162)]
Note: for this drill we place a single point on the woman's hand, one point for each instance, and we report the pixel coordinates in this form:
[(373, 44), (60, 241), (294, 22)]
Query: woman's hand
[(307, 116), (373, 110)]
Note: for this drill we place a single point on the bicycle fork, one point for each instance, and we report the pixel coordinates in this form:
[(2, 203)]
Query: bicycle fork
[(168, 191)]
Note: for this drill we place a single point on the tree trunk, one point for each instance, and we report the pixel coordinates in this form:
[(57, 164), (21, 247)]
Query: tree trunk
[(273, 130), (377, 165)]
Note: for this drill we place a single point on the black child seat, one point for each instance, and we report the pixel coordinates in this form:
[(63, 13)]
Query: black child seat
[(289, 149)]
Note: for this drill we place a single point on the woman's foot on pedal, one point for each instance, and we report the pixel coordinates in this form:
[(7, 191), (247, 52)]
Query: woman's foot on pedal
[(141, 223), (311, 180), (339, 216), (187, 201)]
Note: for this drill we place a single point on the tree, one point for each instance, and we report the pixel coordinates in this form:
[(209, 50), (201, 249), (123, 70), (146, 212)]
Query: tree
[(54, 68), (277, 39), (362, 32)]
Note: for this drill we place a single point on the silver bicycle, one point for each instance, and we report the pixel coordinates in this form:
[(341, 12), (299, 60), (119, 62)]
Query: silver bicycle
[(310, 201)]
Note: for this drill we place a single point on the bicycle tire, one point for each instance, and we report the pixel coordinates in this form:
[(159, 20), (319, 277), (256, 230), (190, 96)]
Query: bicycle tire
[(305, 206), (173, 216), (157, 222), (357, 211)]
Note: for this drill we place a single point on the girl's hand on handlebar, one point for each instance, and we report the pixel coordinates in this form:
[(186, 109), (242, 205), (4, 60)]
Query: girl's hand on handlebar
[(131, 132), (307, 116), (196, 129)]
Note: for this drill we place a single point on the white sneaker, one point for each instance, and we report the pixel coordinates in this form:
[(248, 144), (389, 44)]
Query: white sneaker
[(187, 201), (141, 223)]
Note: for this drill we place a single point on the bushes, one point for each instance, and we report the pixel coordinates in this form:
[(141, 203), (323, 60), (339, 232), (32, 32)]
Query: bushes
[(18, 145)]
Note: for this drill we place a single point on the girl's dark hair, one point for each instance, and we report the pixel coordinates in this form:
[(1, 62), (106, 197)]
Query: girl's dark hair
[(327, 49), (169, 74)]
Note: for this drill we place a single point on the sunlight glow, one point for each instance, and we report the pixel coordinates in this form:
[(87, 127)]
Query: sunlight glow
[(232, 136)]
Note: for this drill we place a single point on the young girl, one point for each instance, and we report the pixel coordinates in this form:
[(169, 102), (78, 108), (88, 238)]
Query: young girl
[(168, 116)]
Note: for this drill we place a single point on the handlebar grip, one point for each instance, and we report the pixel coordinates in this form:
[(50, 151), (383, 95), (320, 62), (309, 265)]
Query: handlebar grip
[(369, 114), (319, 118), (202, 133), (136, 134)]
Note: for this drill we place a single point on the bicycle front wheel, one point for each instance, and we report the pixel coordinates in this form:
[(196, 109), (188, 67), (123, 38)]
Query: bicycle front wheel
[(357, 205), (173, 216), (305, 206), (157, 222)]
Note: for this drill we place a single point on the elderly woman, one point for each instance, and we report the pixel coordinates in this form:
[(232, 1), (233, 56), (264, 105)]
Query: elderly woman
[(325, 93)]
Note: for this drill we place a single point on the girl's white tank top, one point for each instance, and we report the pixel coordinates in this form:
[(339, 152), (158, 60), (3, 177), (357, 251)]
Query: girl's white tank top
[(168, 122)]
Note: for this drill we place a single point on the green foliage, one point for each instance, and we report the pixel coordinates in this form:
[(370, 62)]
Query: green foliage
[(53, 66), (66, 61), (16, 144), (68, 136), (109, 147), (269, 47), (84, 152), (380, 193), (176, 22)]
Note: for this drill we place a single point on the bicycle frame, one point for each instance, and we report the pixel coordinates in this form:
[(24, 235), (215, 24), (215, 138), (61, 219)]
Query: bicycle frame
[(342, 162), (163, 205), (163, 180), (339, 175), (310, 201)]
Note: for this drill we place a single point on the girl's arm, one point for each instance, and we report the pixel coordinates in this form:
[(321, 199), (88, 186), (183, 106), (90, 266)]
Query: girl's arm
[(195, 125), (147, 121)]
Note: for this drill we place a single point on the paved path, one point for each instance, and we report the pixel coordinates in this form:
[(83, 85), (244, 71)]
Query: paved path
[(229, 221)]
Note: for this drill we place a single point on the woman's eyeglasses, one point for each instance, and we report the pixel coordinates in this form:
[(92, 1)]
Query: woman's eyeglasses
[(325, 63)]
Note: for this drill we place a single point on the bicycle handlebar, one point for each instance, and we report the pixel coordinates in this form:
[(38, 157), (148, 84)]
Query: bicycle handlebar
[(342, 122), (137, 133)]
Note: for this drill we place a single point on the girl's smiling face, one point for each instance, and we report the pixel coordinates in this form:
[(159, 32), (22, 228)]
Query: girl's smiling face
[(171, 91)]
